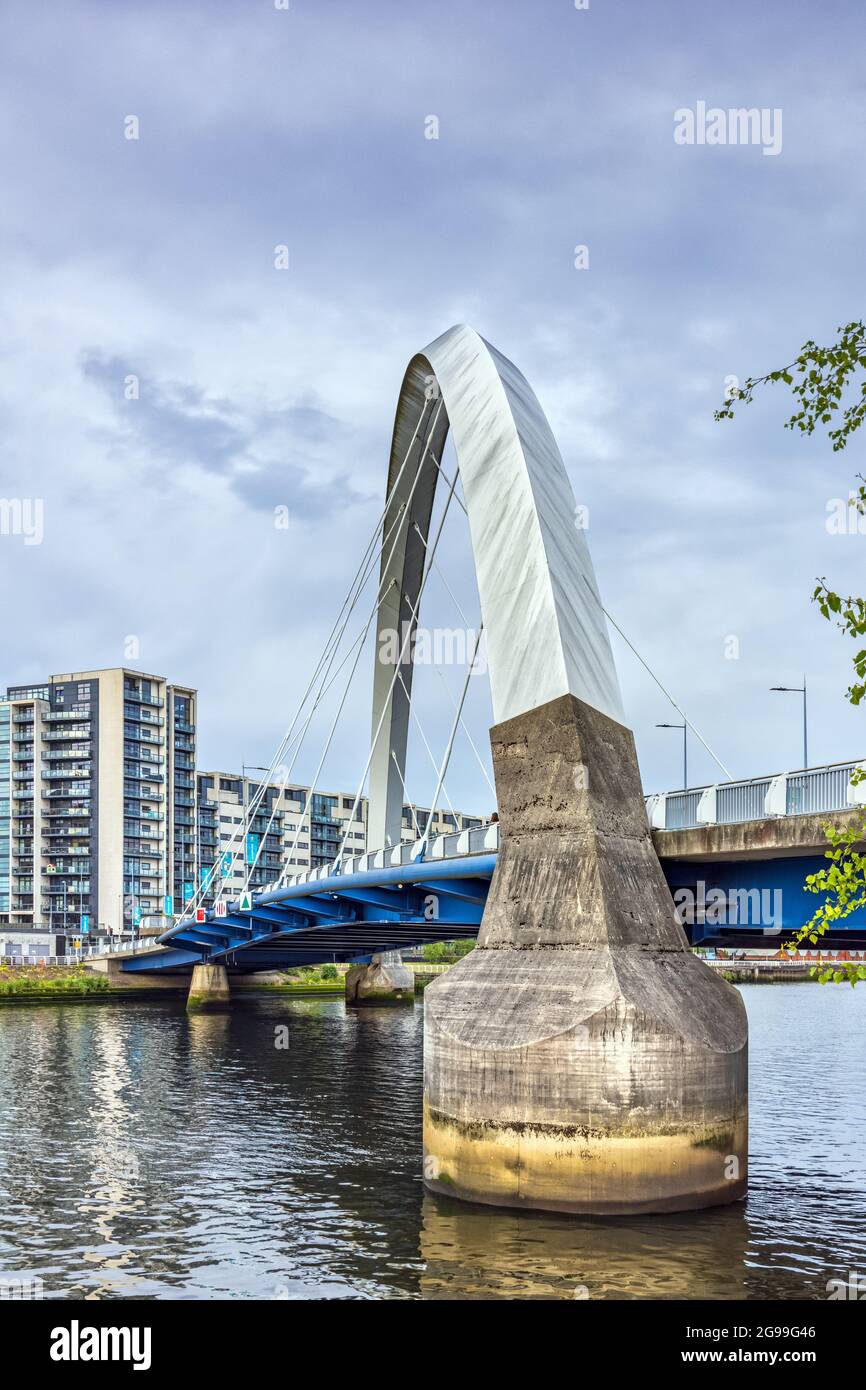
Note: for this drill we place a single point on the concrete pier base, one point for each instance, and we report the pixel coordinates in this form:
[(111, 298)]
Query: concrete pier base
[(209, 987), (385, 980), (581, 1058)]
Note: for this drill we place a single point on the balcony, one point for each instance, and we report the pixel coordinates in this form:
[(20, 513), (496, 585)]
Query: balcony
[(80, 770), (136, 697), (145, 737), (57, 735), (139, 775), (60, 715)]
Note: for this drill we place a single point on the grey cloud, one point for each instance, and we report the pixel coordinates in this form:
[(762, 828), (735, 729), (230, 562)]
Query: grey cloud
[(266, 454)]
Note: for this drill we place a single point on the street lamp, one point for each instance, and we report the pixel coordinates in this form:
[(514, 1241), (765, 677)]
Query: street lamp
[(252, 767), (684, 728), (798, 690)]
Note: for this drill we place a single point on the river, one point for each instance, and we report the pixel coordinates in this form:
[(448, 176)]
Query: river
[(145, 1153)]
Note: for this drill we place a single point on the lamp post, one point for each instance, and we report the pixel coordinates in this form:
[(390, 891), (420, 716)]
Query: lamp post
[(798, 690), (684, 728)]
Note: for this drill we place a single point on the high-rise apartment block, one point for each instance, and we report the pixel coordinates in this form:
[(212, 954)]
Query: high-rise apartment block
[(97, 805), (107, 830)]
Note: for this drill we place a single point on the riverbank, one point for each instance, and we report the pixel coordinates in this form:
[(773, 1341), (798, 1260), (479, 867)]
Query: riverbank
[(769, 972), (22, 982), (317, 980), (70, 983)]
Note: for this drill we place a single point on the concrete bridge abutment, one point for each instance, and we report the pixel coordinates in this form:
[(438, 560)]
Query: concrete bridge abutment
[(208, 988), (386, 980), (581, 1058)]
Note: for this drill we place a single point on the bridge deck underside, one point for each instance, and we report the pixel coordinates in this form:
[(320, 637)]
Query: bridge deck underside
[(351, 917), (347, 917)]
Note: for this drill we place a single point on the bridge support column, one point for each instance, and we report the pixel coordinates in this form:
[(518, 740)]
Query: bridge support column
[(209, 987), (581, 1058), (385, 980)]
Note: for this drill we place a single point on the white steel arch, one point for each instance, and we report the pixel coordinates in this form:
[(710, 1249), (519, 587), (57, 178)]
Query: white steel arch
[(545, 630)]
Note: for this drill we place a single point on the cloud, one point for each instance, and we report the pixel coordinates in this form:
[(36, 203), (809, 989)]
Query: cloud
[(175, 424)]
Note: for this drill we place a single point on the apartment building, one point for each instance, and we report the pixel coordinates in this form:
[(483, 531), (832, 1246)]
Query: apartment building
[(301, 829), (106, 828), (23, 823), (97, 807)]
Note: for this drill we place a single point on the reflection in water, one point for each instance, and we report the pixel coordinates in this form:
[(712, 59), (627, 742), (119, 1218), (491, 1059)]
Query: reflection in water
[(498, 1254), (149, 1154)]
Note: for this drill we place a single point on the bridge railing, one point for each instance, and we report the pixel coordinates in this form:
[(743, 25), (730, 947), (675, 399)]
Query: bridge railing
[(31, 961), (483, 839), (807, 791)]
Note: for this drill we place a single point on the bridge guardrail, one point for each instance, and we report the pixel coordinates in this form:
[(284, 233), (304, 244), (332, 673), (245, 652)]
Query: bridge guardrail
[(807, 791), (483, 839)]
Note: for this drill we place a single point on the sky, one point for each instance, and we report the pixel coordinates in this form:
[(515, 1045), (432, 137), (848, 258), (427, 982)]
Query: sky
[(154, 260)]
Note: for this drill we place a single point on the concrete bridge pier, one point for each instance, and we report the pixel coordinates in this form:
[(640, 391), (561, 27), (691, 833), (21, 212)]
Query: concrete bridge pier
[(581, 1058), (386, 980), (209, 987)]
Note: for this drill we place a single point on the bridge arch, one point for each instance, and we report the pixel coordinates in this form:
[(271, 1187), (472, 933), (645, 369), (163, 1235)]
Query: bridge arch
[(545, 630)]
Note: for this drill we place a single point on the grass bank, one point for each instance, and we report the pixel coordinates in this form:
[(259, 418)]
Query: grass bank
[(18, 982), (306, 981)]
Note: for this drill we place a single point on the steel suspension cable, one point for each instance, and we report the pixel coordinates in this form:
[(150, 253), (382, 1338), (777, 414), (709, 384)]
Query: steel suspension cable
[(413, 610), (357, 585), (373, 614)]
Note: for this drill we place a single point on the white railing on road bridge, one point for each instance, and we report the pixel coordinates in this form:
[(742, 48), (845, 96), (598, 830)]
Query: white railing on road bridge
[(482, 840), (811, 789)]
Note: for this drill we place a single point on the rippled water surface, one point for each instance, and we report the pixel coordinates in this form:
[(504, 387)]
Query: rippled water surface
[(148, 1154)]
